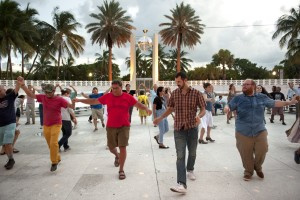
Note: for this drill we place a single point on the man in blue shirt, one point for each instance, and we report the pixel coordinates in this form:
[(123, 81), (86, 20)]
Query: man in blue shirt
[(250, 130), (97, 110)]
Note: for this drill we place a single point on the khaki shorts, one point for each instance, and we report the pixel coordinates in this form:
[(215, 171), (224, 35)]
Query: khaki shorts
[(117, 137), (97, 114)]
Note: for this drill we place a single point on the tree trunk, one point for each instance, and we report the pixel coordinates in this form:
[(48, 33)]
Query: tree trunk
[(58, 62), (32, 65), (224, 74), (178, 53), (22, 63), (110, 64)]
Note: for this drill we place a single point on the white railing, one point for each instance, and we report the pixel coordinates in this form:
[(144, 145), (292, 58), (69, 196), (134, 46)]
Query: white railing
[(219, 85)]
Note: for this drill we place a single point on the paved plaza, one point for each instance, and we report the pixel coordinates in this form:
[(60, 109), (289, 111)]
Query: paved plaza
[(87, 171)]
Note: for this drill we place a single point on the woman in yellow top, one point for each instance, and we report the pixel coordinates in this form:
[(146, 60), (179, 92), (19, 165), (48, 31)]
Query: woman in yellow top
[(142, 98)]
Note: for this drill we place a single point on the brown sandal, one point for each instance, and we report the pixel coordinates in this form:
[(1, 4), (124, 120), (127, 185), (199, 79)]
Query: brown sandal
[(116, 163), (122, 175)]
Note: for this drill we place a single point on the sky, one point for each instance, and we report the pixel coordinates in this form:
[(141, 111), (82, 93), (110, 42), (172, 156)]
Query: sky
[(252, 43)]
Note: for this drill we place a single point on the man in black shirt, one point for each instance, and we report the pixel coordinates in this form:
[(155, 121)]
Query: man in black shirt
[(277, 95), (132, 93)]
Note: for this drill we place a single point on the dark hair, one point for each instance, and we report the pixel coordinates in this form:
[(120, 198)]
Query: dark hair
[(230, 86), (9, 90), (166, 90), (264, 91), (116, 82), (273, 88), (182, 75), (159, 89), (65, 91), (142, 92), (205, 85), (127, 85), (21, 96)]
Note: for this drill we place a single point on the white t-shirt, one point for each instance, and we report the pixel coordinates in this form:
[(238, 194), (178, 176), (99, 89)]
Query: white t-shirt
[(65, 112)]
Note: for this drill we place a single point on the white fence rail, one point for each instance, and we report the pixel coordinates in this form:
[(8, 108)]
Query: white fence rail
[(219, 85)]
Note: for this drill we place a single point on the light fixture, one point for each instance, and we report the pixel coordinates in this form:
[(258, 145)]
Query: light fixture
[(145, 43)]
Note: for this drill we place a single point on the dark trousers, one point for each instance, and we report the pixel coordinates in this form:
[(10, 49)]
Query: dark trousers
[(41, 114), (67, 132), (130, 113)]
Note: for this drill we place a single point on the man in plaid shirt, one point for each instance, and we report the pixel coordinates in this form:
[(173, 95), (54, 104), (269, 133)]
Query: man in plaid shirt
[(184, 101)]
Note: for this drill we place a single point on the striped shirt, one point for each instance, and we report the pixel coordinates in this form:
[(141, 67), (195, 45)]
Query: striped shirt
[(185, 107)]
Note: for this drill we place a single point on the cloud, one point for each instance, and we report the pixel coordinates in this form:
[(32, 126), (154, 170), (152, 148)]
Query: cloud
[(253, 43)]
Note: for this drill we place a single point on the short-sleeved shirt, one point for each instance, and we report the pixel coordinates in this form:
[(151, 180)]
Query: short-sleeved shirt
[(185, 107), (7, 109), (131, 92), (65, 114), (143, 99), (96, 96), (117, 109), (250, 113), (158, 101), (52, 108)]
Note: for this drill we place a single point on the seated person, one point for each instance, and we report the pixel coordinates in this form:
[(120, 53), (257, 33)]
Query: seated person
[(219, 104)]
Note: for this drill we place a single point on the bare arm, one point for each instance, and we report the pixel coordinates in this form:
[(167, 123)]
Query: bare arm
[(164, 115), (21, 82), (57, 85), (73, 88), (87, 101), (107, 91), (143, 107), (84, 95), (286, 103), (154, 110)]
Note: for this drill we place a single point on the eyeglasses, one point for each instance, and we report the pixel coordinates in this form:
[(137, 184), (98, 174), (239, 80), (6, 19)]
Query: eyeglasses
[(246, 84)]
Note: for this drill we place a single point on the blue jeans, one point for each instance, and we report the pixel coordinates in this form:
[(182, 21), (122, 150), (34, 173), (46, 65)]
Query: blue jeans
[(185, 138)]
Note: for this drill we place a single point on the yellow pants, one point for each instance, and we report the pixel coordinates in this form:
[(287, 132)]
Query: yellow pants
[(51, 134)]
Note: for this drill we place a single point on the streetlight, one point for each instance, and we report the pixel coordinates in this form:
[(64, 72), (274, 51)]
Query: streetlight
[(90, 75)]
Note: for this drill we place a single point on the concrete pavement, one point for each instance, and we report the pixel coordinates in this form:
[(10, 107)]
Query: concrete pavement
[(87, 171)]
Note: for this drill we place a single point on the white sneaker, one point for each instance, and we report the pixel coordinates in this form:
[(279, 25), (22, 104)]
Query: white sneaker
[(179, 188), (191, 175)]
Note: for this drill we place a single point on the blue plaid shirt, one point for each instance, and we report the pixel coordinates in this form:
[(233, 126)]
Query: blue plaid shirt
[(250, 113)]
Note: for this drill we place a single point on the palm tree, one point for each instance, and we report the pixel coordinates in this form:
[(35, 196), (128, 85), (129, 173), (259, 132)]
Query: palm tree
[(289, 25), (111, 28), (10, 36), (163, 60), (223, 57), (184, 62), (65, 40), (41, 44), (184, 29), (102, 61), (29, 33)]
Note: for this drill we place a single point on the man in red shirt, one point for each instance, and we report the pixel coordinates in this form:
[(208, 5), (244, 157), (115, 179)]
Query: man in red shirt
[(52, 121), (118, 124)]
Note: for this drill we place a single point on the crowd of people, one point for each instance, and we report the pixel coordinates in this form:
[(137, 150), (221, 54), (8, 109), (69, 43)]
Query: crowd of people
[(191, 110)]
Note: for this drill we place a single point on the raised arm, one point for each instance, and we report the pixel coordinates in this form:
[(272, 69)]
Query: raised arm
[(57, 85), (84, 95), (71, 86), (21, 83), (107, 91)]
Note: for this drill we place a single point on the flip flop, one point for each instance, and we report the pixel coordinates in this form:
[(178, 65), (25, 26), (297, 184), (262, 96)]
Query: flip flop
[(2, 153), (122, 175), (15, 150)]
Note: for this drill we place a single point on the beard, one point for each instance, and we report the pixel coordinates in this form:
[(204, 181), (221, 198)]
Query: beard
[(249, 91)]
